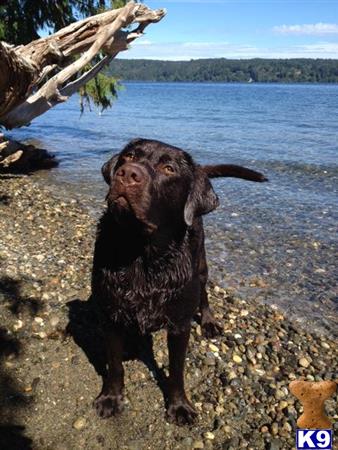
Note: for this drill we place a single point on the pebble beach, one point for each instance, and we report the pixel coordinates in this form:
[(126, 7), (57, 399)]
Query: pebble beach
[(238, 381)]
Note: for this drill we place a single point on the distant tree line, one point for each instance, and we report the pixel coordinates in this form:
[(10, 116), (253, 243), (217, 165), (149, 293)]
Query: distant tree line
[(227, 70)]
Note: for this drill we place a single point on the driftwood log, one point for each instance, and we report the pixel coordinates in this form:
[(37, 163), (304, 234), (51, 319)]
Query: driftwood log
[(16, 157), (37, 76)]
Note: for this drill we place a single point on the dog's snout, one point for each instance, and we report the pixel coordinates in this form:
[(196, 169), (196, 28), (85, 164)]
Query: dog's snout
[(130, 174)]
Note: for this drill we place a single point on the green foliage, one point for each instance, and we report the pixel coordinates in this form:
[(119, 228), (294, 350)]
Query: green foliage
[(21, 21), (101, 90), (227, 70)]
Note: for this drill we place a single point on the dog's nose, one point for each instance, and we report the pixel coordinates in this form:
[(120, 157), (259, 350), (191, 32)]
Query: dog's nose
[(130, 174)]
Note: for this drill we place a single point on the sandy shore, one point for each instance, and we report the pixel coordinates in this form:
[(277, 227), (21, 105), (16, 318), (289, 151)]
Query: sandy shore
[(50, 350)]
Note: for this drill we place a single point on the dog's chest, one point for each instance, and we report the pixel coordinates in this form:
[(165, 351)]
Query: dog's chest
[(142, 293)]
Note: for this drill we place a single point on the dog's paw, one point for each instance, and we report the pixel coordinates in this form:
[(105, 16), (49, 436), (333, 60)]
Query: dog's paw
[(108, 405), (181, 412), (211, 328)]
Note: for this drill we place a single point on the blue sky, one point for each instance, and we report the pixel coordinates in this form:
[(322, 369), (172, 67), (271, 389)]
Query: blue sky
[(240, 29)]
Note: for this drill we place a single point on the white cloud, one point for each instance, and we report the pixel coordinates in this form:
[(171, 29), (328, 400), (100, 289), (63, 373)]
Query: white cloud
[(143, 42), (322, 48), (180, 51), (309, 29)]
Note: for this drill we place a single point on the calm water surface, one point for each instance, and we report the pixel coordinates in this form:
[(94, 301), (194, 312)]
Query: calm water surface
[(275, 242)]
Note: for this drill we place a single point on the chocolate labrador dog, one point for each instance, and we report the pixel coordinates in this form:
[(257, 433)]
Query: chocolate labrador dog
[(149, 269)]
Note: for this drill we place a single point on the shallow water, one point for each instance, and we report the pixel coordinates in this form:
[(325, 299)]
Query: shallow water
[(274, 241)]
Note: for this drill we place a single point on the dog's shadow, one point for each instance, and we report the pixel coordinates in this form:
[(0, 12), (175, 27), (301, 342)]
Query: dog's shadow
[(86, 326)]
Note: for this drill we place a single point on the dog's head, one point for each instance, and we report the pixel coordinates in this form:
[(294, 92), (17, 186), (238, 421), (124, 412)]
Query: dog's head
[(157, 184)]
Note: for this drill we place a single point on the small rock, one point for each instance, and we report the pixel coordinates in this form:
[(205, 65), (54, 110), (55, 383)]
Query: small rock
[(54, 320), (274, 428), (232, 375), (237, 359), (287, 427), (275, 444), (325, 345), (18, 324), (80, 423), (209, 435), (208, 361), (186, 442), (160, 354), (279, 394), (304, 363), (227, 429), (224, 347), (283, 404), (198, 444), (38, 320), (213, 348)]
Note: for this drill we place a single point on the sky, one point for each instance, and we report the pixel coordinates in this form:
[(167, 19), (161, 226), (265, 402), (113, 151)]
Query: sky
[(240, 29)]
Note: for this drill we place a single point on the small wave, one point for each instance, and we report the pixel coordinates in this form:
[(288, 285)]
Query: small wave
[(304, 169)]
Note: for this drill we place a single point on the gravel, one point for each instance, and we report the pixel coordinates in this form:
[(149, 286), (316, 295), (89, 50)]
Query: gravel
[(238, 382)]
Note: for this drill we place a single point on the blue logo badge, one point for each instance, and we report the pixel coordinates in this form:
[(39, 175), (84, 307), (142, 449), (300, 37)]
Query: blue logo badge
[(314, 439)]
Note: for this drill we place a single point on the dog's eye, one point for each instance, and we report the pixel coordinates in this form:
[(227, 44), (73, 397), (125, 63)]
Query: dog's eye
[(129, 156), (168, 170)]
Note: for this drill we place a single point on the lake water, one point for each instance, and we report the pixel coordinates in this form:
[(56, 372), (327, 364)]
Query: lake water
[(275, 242)]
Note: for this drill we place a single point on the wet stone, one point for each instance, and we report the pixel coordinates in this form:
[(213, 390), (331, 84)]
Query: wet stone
[(304, 362), (80, 423)]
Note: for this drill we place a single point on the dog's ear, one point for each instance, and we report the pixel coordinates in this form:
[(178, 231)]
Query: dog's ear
[(108, 168), (201, 199)]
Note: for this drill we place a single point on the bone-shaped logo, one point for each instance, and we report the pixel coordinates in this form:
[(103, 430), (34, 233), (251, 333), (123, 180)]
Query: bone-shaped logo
[(313, 395)]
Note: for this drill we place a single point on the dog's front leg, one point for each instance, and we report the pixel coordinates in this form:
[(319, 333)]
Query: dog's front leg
[(110, 400), (180, 409)]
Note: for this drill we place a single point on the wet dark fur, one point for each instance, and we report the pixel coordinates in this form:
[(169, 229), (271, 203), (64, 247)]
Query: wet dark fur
[(149, 268), (139, 287)]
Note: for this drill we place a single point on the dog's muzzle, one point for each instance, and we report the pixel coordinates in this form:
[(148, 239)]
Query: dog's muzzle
[(131, 176)]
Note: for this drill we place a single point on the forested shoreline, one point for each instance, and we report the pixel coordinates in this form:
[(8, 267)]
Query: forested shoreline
[(227, 70)]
